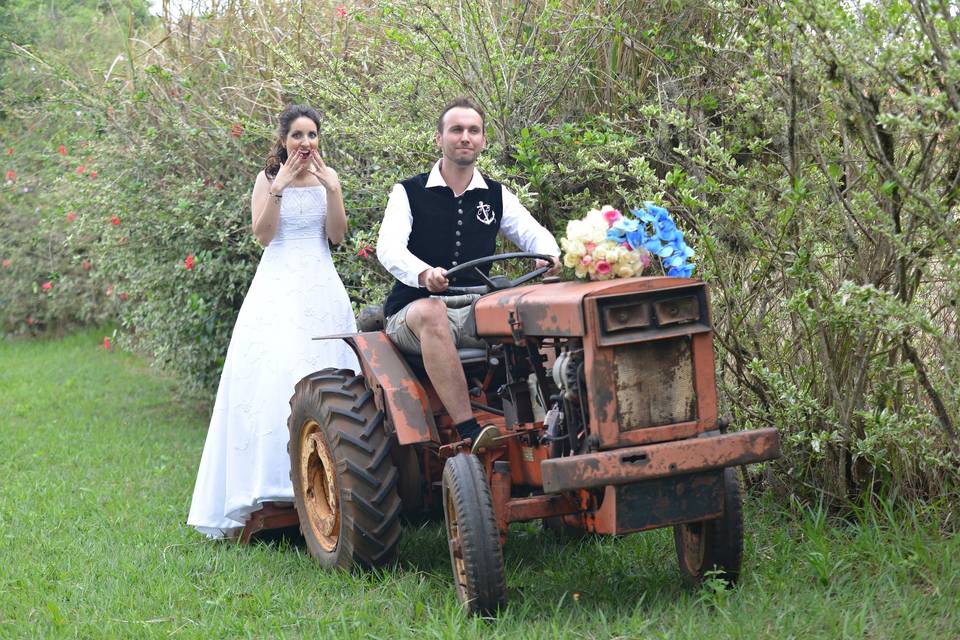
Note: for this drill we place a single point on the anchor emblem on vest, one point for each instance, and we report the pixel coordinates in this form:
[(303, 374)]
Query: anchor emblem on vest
[(485, 214)]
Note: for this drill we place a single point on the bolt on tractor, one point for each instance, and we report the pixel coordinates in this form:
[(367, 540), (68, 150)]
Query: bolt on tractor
[(605, 400)]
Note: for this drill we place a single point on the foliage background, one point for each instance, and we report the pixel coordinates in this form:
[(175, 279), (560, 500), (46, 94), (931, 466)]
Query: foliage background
[(809, 148)]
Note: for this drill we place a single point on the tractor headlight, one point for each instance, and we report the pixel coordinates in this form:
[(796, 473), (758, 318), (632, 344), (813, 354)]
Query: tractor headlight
[(643, 316)]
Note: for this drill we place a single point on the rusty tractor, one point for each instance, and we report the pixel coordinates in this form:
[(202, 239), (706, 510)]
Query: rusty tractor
[(605, 401)]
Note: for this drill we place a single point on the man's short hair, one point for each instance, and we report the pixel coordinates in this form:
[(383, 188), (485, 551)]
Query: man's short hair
[(462, 102)]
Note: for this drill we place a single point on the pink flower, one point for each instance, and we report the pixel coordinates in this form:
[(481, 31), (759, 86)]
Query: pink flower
[(585, 260), (106, 342), (219, 185), (46, 286), (11, 175), (365, 251), (114, 220), (62, 150), (341, 11), (236, 130), (29, 321), (71, 216), (81, 169), (86, 265), (645, 259), (9, 151), (109, 290), (603, 267), (93, 174), (188, 263), (6, 263), (123, 296), (590, 246), (611, 216)]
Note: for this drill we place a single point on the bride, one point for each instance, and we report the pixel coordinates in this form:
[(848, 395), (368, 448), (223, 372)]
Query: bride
[(295, 295)]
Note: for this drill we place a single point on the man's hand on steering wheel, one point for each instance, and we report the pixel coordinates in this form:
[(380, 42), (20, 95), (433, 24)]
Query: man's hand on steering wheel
[(554, 268), (434, 279)]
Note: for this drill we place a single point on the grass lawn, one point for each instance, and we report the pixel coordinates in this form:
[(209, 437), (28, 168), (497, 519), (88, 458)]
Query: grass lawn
[(96, 473)]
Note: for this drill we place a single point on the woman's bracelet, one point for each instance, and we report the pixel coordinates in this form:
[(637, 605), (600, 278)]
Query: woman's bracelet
[(275, 195)]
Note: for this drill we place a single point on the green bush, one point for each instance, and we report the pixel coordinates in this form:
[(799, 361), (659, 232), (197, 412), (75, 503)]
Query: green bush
[(809, 150)]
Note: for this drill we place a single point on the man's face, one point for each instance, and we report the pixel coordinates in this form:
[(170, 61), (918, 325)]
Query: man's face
[(462, 138)]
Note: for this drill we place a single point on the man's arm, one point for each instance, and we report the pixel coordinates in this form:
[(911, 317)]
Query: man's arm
[(392, 242), (523, 230)]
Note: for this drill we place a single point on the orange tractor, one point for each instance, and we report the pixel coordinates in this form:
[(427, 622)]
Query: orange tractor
[(605, 399)]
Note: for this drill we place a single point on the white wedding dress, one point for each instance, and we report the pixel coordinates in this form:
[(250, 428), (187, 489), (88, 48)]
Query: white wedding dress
[(295, 295)]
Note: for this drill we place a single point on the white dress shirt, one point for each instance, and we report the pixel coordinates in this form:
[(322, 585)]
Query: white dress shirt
[(517, 224)]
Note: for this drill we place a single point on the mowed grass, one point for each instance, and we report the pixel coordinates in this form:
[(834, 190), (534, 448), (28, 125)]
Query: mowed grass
[(97, 468)]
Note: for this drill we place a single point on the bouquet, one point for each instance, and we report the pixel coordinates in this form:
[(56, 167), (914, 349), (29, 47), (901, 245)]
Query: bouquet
[(607, 244)]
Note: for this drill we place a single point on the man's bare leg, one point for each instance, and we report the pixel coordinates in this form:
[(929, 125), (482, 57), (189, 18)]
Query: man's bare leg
[(427, 318)]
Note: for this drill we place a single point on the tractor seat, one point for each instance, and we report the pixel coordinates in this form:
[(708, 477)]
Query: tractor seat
[(371, 319)]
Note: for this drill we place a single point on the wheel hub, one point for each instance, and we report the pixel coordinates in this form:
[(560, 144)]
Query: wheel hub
[(319, 487), (456, 548), (692, 543)]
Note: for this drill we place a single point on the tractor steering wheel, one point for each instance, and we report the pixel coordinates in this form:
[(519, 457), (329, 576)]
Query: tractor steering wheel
[(496, 283)]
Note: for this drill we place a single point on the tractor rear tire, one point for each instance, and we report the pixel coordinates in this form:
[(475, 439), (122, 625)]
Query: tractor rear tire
[(714, 545), (344, 480), (472, 536)]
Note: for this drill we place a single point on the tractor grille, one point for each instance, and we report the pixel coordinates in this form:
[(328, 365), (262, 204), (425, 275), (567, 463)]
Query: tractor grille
[(655, 383)]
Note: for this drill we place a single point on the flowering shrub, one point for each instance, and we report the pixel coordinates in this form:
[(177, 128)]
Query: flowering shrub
[(607, 244)]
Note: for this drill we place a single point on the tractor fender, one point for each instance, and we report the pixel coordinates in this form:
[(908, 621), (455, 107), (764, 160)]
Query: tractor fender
[(396, 390)]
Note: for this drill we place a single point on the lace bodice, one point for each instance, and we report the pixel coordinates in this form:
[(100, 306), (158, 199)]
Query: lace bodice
[(303, 212)]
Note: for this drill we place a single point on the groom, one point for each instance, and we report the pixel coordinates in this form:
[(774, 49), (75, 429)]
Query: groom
[(433, 222)]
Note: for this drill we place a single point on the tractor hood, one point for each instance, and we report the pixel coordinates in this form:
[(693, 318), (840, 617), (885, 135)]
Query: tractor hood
[(556, 309)]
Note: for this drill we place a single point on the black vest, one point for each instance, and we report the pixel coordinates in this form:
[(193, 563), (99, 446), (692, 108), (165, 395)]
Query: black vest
[(448, 231)]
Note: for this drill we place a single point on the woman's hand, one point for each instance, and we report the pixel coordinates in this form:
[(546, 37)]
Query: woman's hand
[(289, 170), (327, 176)]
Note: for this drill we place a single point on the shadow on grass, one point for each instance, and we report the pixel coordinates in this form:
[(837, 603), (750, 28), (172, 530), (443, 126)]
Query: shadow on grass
[(546, 572)]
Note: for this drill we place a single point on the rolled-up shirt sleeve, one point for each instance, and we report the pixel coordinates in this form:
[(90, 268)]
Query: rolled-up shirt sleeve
[(392, 242), (523, 230)]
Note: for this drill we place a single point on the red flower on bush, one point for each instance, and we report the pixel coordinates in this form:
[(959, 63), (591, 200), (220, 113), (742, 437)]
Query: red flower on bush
[(29, 321), (341, 11), (188, 263), (106, 342), (207, 181), (109, 290), (86, 265), (93, 174), (9, 151), (219, 185), (71, 216), (62, 150), (81, 169), (6, 263), (46, 286), (236, 130), (11, 175), (114, 220), (123, 296), (365, 251)]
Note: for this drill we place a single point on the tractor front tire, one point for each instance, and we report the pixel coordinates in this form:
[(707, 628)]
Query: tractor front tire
[(344, 480), (714, 545), (472, 536)]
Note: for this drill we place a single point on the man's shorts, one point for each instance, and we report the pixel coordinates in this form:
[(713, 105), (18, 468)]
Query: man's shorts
[(459, 316)]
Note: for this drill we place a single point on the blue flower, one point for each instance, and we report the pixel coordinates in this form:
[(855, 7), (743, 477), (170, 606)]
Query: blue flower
[(635, 238), (660, 236)]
